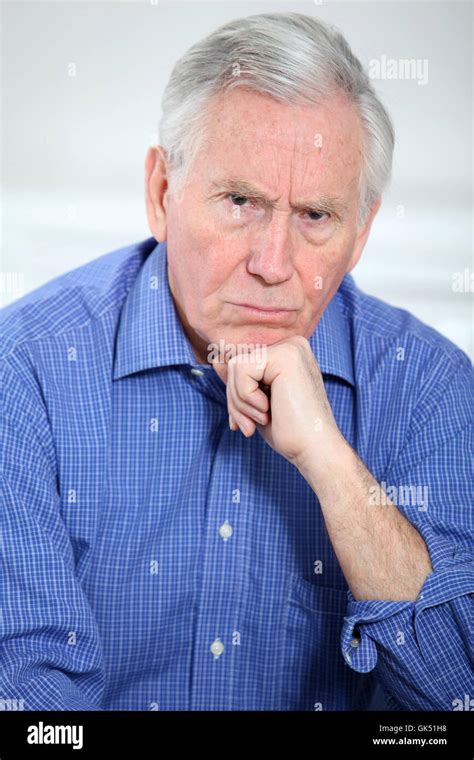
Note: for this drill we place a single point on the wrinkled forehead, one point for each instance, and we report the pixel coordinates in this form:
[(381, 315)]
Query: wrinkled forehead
[(252, 133)]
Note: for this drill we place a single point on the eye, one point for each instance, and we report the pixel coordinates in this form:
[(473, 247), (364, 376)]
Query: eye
[(237, 200), (316, 216)]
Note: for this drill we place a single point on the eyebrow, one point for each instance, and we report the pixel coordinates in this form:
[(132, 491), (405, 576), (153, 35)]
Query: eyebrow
[(327, 203)]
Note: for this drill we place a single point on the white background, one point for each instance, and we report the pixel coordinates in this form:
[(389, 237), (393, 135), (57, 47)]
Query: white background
[(74, 147)]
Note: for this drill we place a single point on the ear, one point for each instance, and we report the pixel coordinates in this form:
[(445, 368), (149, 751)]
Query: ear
[(156, 186), (363, 234)]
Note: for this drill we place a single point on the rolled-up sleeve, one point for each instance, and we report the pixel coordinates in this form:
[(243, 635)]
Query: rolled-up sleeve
[(422, 650)]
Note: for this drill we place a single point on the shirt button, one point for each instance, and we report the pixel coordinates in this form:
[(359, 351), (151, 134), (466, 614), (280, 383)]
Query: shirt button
[(226, 530), (217, 647), (197, 372), (354, 642)]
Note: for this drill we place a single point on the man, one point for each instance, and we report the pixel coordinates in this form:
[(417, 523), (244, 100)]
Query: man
[(233, 481)]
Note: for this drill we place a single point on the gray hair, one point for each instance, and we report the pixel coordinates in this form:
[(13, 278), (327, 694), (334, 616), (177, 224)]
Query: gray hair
[(291, 57)]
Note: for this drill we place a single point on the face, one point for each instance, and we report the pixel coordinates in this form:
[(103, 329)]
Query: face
[(267, 218)]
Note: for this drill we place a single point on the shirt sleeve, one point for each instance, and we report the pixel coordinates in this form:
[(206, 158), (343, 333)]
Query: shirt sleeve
[(50, 645), (422, 650)]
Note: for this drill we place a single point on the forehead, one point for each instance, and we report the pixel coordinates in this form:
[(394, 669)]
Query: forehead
[(301, 144)]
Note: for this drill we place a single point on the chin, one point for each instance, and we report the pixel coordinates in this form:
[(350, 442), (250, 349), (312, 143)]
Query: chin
[(261, 335)]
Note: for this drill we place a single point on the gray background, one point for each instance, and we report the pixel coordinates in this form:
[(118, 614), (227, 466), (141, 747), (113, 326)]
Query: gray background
[(74, 146)]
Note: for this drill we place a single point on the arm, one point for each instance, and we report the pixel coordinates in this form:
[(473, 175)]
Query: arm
[(49, 642), (410, 572), (370, 536), (410, 567)]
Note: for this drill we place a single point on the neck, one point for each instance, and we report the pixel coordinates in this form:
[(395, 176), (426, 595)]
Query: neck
[(199, 346)]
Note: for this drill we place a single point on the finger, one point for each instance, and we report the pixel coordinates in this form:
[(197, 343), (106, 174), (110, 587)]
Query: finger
[(248, 374), (246, 388), (236, 420), (246, 425), (263, 418), (240, 406), (242, 422)]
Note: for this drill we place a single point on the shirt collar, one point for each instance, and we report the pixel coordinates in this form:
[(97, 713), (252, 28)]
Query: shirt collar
[(150, 332), (331, 341)]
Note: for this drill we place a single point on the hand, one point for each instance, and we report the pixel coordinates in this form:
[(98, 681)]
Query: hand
[(297, 415)]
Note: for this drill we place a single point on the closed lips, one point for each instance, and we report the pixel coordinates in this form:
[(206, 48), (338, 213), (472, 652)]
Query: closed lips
[(262, 308)]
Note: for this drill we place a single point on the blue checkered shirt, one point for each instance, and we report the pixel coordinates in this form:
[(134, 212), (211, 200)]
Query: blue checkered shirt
[(155, 560)]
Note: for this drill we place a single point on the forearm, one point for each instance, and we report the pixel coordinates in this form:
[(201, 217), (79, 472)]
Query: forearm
[(380, 553)]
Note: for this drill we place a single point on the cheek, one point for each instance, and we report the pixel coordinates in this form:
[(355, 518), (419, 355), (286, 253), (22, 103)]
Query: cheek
[(207, 248), (323, 273), (201, 276)]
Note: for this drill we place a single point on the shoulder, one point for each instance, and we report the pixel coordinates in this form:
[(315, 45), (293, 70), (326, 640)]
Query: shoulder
[(72, 300), (383, 333)]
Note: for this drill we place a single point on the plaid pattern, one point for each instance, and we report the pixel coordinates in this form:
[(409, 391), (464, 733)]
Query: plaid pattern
[(153, 559)]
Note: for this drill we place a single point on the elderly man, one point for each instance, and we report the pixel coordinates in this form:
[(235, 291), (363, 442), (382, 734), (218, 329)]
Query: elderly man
[(233, 481)]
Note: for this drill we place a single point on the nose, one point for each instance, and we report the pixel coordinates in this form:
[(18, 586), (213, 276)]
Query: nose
[(271, 256)]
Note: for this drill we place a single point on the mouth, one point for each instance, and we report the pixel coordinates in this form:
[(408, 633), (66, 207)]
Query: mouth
[(262, 310), (249, 313)]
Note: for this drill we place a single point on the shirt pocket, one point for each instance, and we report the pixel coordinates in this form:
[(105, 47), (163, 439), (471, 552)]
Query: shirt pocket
[(313, 673)]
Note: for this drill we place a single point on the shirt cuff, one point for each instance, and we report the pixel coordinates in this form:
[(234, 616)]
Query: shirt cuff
[(365, 621), (369, 621)]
